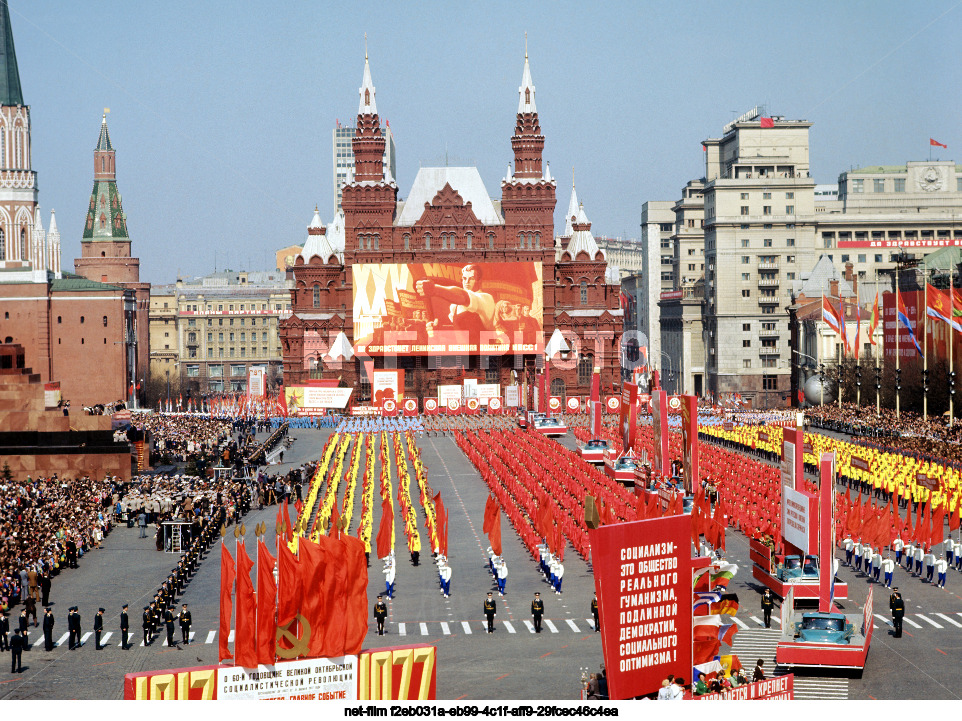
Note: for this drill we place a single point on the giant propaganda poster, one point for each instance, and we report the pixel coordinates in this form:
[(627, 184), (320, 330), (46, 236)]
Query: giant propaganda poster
[(643, 581), (448, 308)]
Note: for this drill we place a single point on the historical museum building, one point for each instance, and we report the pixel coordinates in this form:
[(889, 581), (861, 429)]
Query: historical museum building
[(394, 282)]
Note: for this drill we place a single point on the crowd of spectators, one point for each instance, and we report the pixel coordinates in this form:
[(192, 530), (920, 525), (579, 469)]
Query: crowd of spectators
[(47, 524), (930, 439)]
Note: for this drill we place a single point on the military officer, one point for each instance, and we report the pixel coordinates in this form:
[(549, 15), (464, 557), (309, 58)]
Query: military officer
[(148, 620), (169, 624), (73, 626), (124, 627), (48, 622), (490, 611), (897, 605), (594, 611), (537, 612), (185, 621), (98, 628), (768, 603), (380, 613)]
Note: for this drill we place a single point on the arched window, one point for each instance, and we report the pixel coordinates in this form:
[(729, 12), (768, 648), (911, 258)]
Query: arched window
[(584, 292), (407, 241), (19, 148), (586, 366), (521, 240), (537, 241), (377, 241), (469, 239), (23, 244), (3, 245), (557, 387), (427, 241), (317, 296), (491, 241), (3, 147)]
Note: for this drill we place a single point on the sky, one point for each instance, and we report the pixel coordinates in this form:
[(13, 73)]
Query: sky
[(221, 112)]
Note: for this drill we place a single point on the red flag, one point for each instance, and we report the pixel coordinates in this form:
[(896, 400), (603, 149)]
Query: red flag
[(288, 589), (704, 649), (227, 574), (336, 589), (298, 505), (314, 604), (447, 518), (266, 605), (938, 525), (908, 532), (335, 531), (440, 519), (936, 143), (767, 122), (287, 520), (385, 529), (245, 638), (954, 520), (494, 537), (490, 509), (279, 524), (355, 620)]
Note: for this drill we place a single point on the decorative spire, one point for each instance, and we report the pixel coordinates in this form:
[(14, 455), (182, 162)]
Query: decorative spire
[(10, 93), (547, 173), (526, 91), (581, 238), (367, 106), (572, 214), (527, 141), (103, 142)]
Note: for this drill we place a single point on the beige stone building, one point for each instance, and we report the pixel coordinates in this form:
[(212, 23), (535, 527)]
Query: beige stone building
[(206, 333)]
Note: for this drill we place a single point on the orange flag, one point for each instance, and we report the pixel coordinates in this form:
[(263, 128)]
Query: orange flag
[(494, 536), (355, 619)]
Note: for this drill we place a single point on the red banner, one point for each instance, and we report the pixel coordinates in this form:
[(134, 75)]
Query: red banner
[(554, 404), (779, 688), (826, 535), (389, 407), (689, 441), (447, 308), (494, 405), (410, 406), (629, 394), (659, 422), (793, 468), (612, 404), (573, 404), (860, 463), (642, 575), (431, 406), (454, 407)]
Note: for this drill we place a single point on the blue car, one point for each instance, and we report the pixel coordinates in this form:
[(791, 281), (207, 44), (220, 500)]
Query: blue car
[(824, 628)]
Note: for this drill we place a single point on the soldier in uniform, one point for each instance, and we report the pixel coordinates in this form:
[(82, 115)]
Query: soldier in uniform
[(594, 611), (185, 621), (380, 613), (490, 610), (124, 627), (98, 628), (148, 619), (73, 626), (16, 650), (768, 603), (48, 622), (169, 623), (537, 611), (898, 611)]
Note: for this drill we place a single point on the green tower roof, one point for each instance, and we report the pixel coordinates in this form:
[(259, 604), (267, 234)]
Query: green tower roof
[(10, 93)]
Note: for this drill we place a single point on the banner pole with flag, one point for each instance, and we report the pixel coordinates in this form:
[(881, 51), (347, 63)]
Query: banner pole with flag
[(925, 353), (898, 358), (878, 384), (951, 343)]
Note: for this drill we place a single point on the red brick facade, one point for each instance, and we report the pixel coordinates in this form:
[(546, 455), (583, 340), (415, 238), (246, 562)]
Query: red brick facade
[(577, 299)]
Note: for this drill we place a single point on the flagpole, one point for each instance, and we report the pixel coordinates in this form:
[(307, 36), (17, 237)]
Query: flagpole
[(818, 350), (898, 358), (878, 390), (925, 348), (951, 333)]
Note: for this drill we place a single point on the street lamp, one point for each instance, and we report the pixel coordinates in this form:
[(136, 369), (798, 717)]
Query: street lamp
[(670, 373)]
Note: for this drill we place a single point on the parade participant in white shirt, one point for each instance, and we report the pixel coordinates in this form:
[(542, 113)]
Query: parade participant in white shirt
[(929, 560), (897, 546), (888, 566), (941, 566)]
